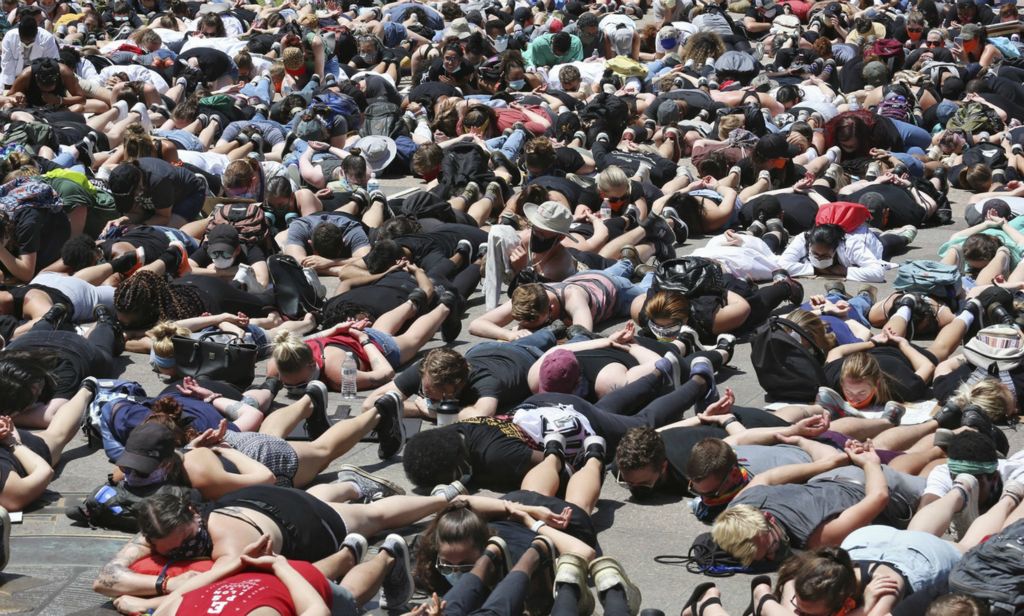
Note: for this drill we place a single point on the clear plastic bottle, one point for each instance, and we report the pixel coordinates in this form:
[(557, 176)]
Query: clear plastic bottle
[(348, 377), (606, 210), (372, 184)]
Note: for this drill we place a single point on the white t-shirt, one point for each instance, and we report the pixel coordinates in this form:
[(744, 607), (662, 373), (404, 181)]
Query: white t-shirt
[(210, 162), (590, 73), (136, 72), (230, 46), (940, 483)]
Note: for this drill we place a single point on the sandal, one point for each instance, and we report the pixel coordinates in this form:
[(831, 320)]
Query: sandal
[(694, 604), (754, 583)]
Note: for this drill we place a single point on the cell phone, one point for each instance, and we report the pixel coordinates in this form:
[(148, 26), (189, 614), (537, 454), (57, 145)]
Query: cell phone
[(959, 40)]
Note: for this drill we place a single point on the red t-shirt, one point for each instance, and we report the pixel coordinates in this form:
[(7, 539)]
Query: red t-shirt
[(244, 592)]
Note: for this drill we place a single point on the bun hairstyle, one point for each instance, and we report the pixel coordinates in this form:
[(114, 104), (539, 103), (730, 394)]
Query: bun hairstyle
[(161, 336), (290, 352), (826, 574)]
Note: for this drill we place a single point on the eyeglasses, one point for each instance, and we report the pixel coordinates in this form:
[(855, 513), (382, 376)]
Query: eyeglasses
[(622, 482), (445, 568), (221, 254), (713, 493)]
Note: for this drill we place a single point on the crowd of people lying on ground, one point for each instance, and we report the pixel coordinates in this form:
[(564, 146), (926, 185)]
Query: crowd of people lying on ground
[(180, 179)]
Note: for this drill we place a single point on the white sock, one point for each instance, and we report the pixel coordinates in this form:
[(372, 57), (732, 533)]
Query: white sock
[(904, 312), (831, 155), (811, 154), (967, 317)]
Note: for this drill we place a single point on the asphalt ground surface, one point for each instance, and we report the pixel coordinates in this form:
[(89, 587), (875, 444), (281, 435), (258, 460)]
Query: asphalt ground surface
[(54, 562)]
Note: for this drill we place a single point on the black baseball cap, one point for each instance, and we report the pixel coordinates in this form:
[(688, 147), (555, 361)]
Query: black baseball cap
[(148, 445), (222, 237)]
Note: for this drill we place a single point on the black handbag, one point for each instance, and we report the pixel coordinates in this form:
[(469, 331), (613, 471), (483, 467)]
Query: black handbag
[(232, 361), (787, 370)]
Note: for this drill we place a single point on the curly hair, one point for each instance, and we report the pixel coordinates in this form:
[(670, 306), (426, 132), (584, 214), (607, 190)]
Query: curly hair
[(701, 46), (148, 298), (19, 372), (433, 456), (639, 448), (445, 367)]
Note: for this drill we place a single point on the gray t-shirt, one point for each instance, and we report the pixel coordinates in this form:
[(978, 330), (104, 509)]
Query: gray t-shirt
[(84, 296), (801, 509), (760, 458), (300, 230)]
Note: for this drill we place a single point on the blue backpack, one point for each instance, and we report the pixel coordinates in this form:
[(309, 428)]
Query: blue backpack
[(330, 105), (940, 280), (96, 424)]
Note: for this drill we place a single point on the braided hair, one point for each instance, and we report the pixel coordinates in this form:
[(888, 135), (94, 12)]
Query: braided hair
[(148, 298)]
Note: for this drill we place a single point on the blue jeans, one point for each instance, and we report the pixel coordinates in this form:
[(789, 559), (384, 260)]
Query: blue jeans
[(625, 290), (261, 90), (532, 346), (860, 305), (388, 345), (510, 145), (913, 135), (913, 165), (306, 92), (184, 139), (405, 147), (190, 243), (921, 557)]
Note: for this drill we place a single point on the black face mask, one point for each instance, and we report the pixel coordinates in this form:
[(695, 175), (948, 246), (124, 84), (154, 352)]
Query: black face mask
[(198, 545), (540, 244), (642, 493)]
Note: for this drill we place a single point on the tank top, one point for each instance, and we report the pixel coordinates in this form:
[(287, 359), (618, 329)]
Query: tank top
[(599, 288), (349, 343)]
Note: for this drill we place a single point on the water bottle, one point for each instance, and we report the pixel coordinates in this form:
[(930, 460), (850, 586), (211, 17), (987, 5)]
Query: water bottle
[(372, 184), (606, 210), (1015, 38), (348, 377)]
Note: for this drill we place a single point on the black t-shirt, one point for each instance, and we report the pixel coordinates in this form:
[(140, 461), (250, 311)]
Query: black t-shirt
[(904, 384), (41, 232), (152, 241), (213, 62), (901, 207), (498, 455), (464, 72), (493, 373), (594, 360), (168, 185), (568, 160), (572, 191), (781, 178), (378, 87), (386, 294), (9, 463), (429, 92)]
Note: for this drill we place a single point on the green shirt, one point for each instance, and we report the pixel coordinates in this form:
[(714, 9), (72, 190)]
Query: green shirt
[(539, 52)]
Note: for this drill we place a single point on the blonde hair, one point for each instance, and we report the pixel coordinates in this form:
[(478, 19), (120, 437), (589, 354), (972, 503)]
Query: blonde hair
[(729, 123), (735, 530), (291, 352), (668, 305), (161, 336), (611, 178), (813, 325), (863, 367), (529, 302), (988, 394)]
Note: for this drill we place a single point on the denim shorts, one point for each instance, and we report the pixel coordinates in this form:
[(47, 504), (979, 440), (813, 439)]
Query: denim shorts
[(182, 138), (387, 344), (921, 557), (343, 603)]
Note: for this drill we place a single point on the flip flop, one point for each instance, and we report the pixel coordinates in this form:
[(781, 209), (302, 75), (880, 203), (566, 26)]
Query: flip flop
[(753, 610)]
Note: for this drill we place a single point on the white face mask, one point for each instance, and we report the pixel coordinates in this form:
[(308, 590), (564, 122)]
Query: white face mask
[(664, 332), (221, 263), (819, 263)]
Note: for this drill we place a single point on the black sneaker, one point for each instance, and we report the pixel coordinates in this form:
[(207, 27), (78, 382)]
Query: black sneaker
[(5, 536), (558, 329), (950, 416), (419, 298), (390, 427), (727, 343), (372, 487), (397, 587), (679, 227), (102, 314), (317, 423), (579, 331), (452, 325), (554, 445), (56, 315), (976, 419), (595, 447), (498, 159)]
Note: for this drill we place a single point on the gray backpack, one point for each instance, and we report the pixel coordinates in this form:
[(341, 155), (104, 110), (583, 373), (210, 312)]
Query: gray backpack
[(994, 572)]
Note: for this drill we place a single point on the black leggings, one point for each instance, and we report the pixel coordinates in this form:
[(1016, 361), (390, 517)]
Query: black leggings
[(892, 245), (763, 302), (465, 281), (219, 295), (630, 406), (77, 357), (470, 596), (659, 347)]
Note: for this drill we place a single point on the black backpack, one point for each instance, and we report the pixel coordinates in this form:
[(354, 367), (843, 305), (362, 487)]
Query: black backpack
[(988, 154), (786, 370), (992, 572), (113, 505), (424, 204), (692, 277), (295, 296), (707, 558), (605, 113), (464, 163), (383, 118)]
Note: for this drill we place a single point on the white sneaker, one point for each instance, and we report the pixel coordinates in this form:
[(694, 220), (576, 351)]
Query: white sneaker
[(963, 519), (122, 110), (143, 111), (313, 279), (246, 277)]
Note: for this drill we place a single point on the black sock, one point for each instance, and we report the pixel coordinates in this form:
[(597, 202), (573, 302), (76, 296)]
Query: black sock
[(614, 601), (124, 263), (567, 600), (171, 259)]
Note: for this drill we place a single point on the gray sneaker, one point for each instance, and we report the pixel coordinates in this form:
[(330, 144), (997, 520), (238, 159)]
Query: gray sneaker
[(449, 490), (372, 487), (397, 587), (357, 543)]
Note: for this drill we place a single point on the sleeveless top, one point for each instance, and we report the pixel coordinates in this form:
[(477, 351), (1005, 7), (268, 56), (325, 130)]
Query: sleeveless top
[(598, 286)]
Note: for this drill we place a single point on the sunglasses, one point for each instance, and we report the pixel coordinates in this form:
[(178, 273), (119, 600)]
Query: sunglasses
[(611, 199), (713, 493), (221, 254), (934, 43), (445, 568)]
